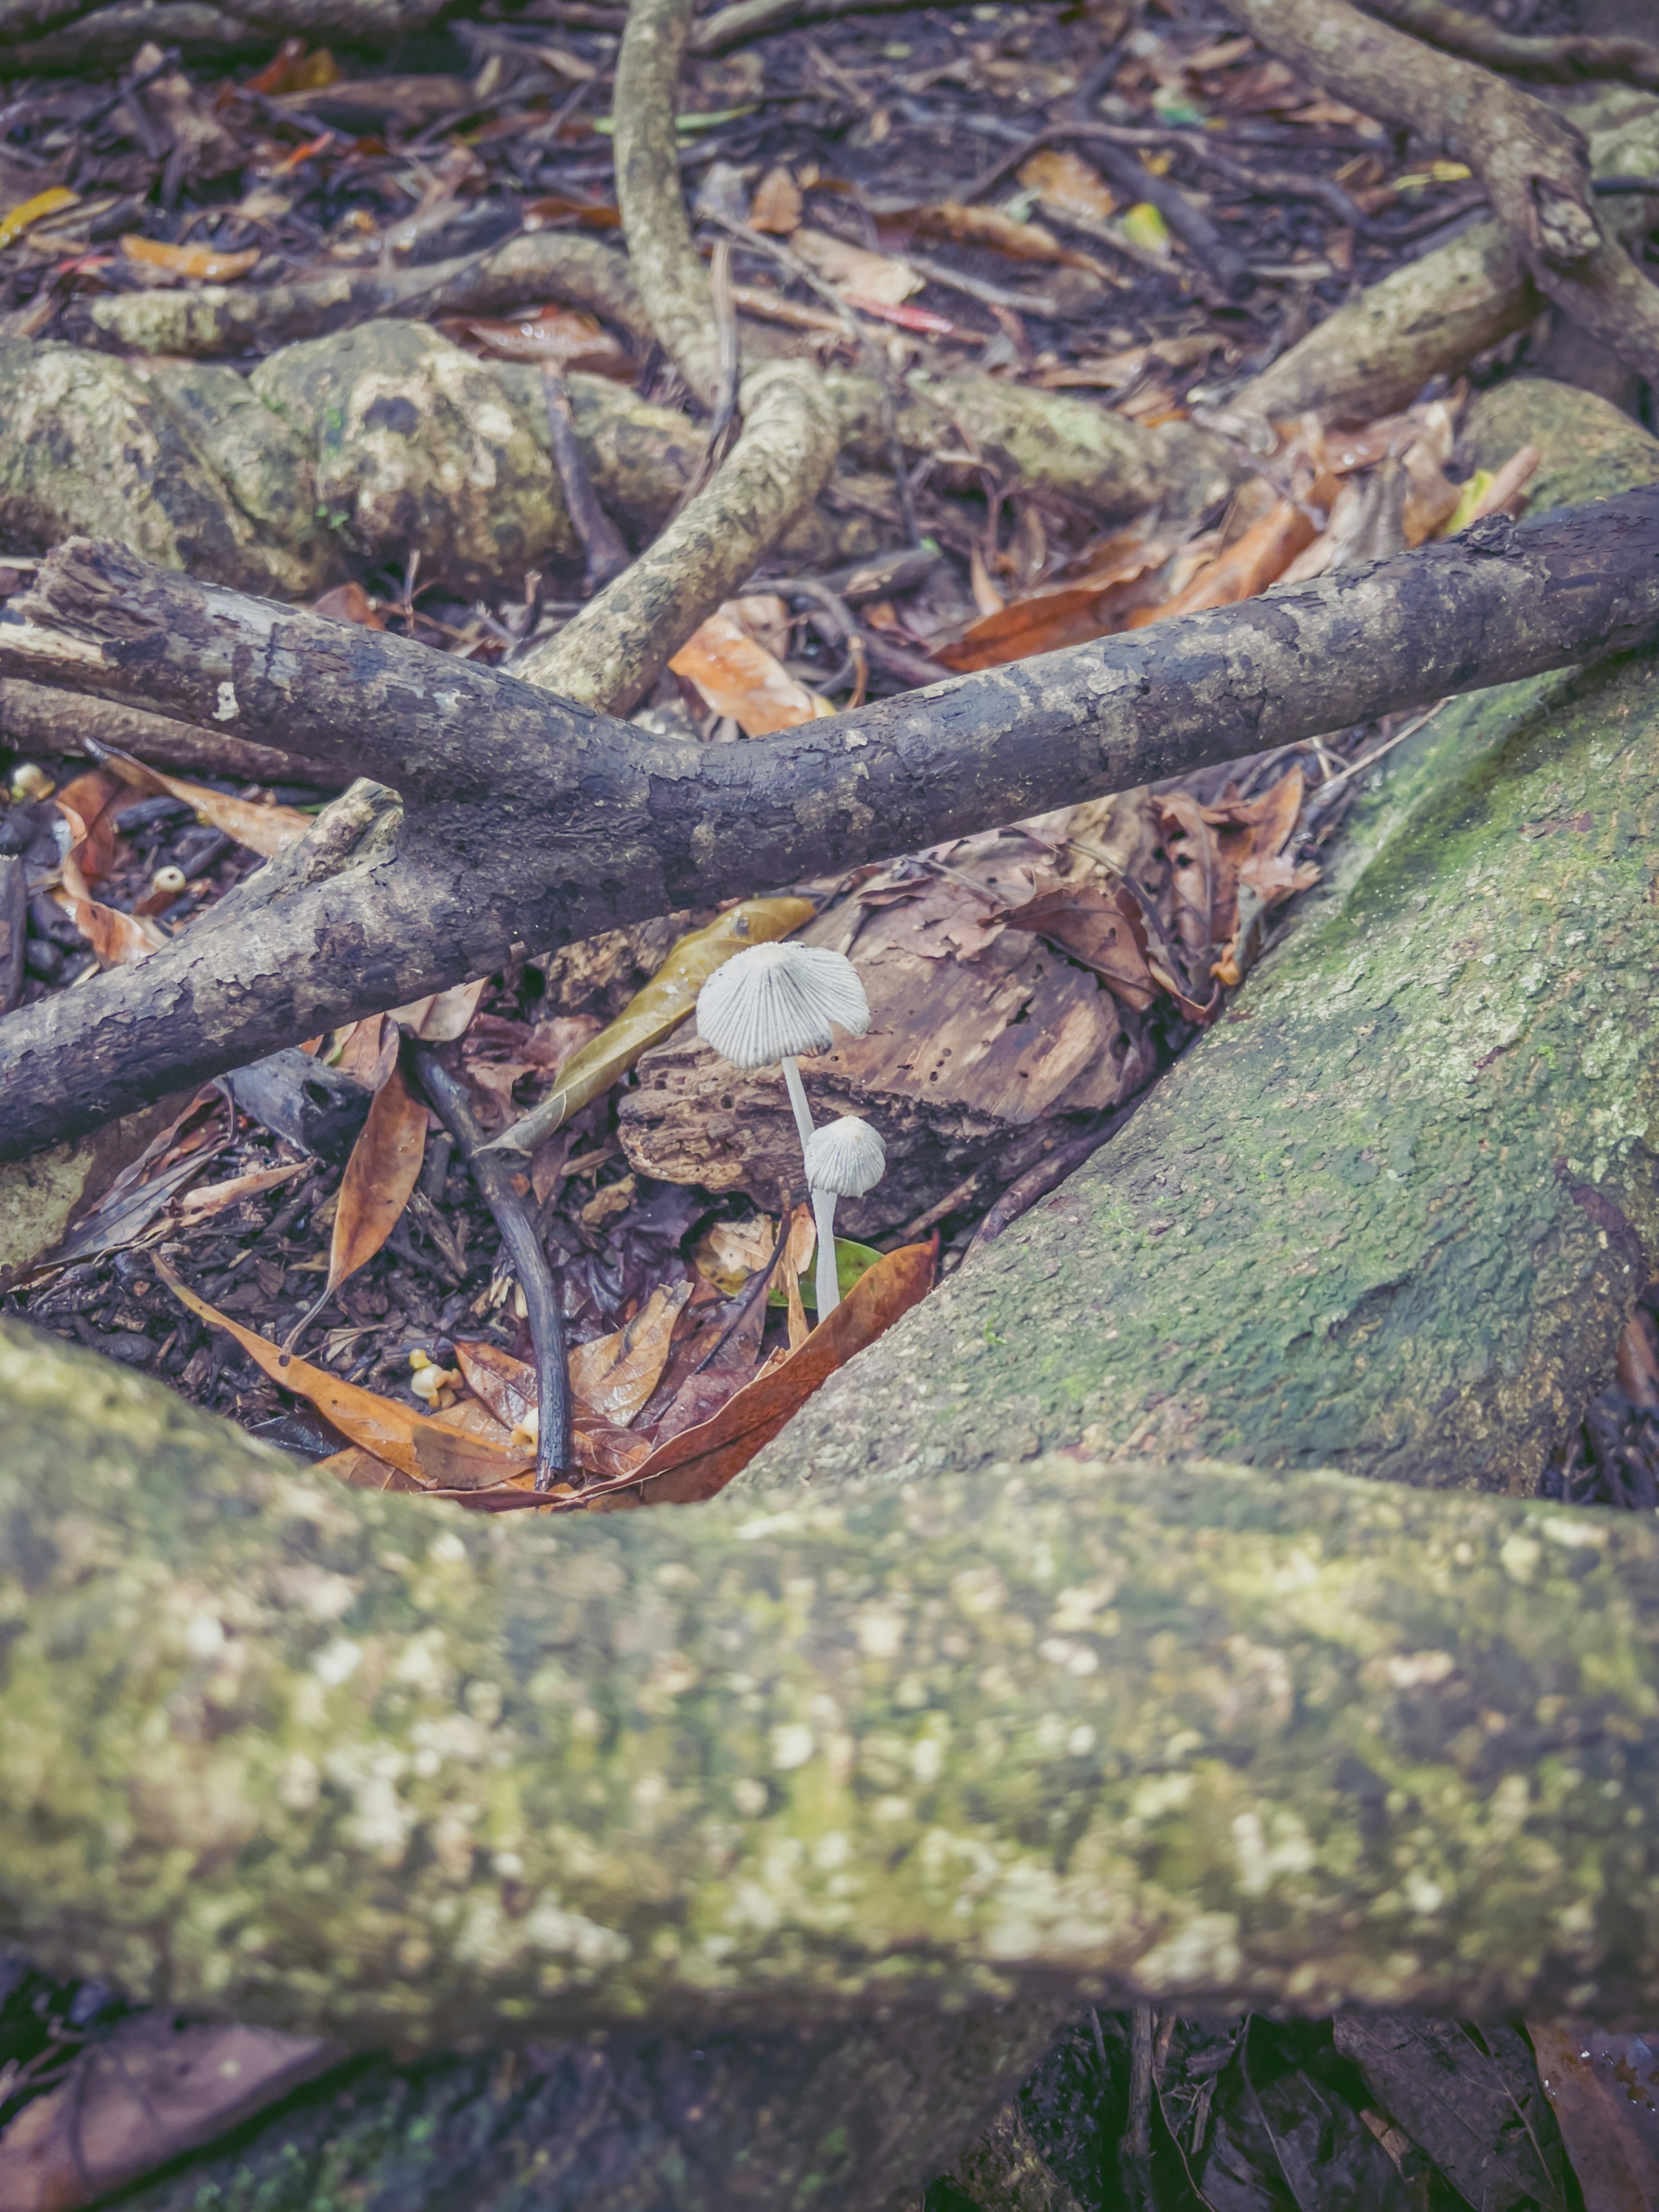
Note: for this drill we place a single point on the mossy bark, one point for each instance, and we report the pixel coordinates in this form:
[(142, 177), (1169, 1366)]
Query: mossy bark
[(1391, 1214)]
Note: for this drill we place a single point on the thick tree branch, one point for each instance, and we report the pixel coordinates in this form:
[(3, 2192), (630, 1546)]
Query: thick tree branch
[(345, 1763), (533, 822)]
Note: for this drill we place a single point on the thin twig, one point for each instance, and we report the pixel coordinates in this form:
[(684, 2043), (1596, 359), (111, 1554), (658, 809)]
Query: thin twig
[(494, 1177), (601, 540)]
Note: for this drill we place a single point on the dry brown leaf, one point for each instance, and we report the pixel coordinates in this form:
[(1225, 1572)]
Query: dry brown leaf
[(1251, 562), (365, 1051), (89, 800), (566, 337), (701, 1461), (505, 1387), (776, 206), (1099, 929), (1606, 2113), (614, 1375), (856, 271), (116, 938), (143, 2093), (1503, 494), (741, 678), (416, 1444), (267, 830), (349, 603), (1002, 233), (213, 1198), (200, 262), (1064, 614), (382, 1171), (1066, 178)]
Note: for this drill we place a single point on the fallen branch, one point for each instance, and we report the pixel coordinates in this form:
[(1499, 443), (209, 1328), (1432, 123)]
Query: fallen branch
[(73, 37), (602, 823), (35, 719)]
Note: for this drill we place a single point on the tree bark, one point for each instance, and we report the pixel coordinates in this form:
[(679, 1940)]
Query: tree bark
[(532, 822), (1392, 1214)]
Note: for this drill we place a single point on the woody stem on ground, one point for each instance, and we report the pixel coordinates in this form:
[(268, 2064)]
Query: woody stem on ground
[(1566, 60), (1531, 159), (606, 823)]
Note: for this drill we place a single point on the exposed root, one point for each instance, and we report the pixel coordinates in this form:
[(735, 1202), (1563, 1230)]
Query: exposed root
[(1551, 61), (614, 650), (672, 281), (1531, 159)]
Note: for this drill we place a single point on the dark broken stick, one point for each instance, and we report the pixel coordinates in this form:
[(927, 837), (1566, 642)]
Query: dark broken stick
[(601, 540), (606, 823), (496, 1177)]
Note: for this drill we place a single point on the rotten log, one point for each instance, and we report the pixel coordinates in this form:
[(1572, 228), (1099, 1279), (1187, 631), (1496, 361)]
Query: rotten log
[(531, 823)]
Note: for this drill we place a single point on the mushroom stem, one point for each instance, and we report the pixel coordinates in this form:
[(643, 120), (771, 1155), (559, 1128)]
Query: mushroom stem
[(823, 1214), (796, 1090)]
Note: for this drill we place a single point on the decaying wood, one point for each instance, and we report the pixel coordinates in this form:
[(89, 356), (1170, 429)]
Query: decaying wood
[(33, 718), (605, 824), (1392, 1215), (39, 36)]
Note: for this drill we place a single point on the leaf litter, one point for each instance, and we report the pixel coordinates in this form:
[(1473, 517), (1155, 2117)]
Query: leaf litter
[(1129, 920)]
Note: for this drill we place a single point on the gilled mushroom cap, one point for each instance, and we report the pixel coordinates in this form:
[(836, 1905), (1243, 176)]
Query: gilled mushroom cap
[(774, 999), (846, 1158)]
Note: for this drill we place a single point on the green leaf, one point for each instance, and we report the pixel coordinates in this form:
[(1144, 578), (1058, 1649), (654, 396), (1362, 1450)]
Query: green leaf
[(852, 1260)]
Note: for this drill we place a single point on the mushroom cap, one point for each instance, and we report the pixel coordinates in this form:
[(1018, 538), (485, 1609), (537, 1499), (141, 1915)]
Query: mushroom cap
[(846, 1157), (771, 1001)]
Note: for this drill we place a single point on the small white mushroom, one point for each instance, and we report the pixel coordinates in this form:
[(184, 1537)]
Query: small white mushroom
[(845, 1159), (773, 1001)]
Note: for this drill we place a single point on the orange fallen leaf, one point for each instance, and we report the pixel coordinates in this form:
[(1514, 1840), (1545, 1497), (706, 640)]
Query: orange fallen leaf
[(739, 677), (416, 1445), (776, 206), (1066, 180), (349, 603), (200, 262), (1252, 561), (614, 1375), (382, 1171), (444, 1016), (1064, 614), (564, 336), (118, 938), (213, 1198), (293, 70), (701, 1461), (557, 207), (92, 798), (506, 1388), (1003, 233), (877, 278), (267, 830)]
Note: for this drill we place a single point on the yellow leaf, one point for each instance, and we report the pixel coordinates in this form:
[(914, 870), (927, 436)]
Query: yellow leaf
[(1144, 226), (655, 1013), (13, 226), (198, 261)]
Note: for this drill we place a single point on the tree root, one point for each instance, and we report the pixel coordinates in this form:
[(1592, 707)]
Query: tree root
[(672, 281), (69, 36), (614, 650), (210, 320), (1245, 1700), (1530, 158), (1549, 60), (1434, 315), (603, 823)]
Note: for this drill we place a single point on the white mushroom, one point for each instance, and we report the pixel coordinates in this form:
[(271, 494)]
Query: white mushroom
[(844, 1159), (773, 1001)]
